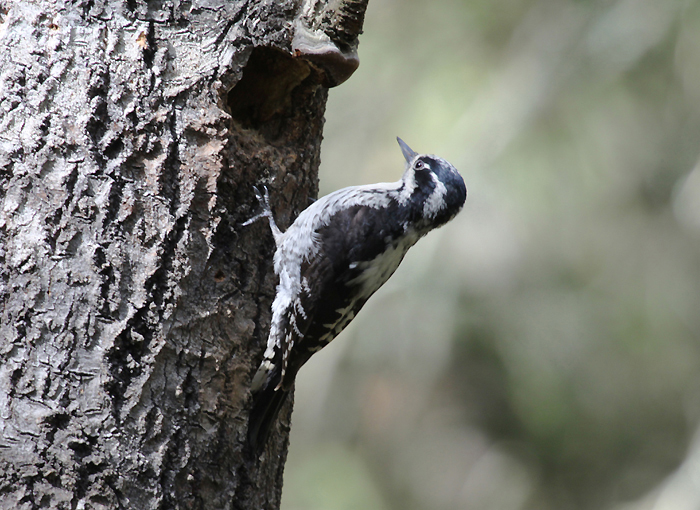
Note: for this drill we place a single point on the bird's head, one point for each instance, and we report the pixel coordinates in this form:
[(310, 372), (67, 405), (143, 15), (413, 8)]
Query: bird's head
[(432, 185)]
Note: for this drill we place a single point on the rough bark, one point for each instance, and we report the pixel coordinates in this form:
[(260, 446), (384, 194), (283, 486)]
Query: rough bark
[(134, 306)]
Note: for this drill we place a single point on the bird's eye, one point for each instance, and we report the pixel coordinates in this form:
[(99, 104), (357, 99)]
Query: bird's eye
[(419, 165)]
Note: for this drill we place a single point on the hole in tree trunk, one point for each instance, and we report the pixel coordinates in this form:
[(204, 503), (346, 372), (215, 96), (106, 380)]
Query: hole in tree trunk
[(265, 94)]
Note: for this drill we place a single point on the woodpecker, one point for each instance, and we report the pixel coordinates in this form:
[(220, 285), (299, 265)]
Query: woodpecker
[(335, 255)]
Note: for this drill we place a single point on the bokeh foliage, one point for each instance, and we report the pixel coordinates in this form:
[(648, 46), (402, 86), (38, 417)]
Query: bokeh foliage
[(542, 350)]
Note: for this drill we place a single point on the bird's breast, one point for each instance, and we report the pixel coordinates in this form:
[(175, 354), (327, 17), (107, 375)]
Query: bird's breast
[(374, 273)]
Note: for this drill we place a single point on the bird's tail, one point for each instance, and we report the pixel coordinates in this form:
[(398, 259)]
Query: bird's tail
[(267, 402)]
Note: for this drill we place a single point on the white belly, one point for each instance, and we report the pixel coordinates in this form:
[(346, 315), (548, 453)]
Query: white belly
[(376, 272)]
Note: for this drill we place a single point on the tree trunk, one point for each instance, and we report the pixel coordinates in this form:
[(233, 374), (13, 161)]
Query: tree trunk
[(134, 306)]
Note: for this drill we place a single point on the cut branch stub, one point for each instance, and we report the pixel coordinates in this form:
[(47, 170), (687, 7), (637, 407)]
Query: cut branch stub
[(326, 35)]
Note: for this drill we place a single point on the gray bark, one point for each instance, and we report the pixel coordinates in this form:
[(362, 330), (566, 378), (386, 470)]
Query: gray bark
[(134, 307)]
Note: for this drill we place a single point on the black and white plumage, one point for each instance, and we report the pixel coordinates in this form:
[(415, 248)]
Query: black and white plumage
[(334, 256)]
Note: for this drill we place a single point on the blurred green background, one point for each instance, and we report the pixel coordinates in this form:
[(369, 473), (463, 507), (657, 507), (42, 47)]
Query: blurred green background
[(542, 350)]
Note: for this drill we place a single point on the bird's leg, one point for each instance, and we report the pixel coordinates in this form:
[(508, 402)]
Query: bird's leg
[(264, 199)]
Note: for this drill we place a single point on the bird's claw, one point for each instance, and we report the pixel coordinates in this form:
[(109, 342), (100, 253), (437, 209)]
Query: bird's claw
[(264, 200)]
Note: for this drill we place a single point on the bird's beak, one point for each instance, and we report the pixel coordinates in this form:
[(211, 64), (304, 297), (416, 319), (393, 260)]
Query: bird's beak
[(408, 153)]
